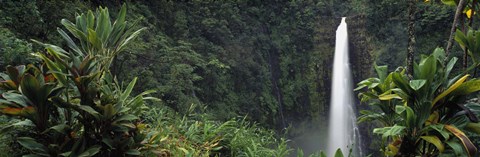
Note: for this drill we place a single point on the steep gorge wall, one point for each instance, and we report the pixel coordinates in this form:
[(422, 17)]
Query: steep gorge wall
[(310, 134)]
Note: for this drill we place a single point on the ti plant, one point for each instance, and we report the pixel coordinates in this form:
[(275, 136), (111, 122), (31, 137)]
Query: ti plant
[(70, 100), (425, 115), (471, 43)]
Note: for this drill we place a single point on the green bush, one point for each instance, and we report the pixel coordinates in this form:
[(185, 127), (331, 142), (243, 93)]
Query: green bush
[(198, 135), (13, 51), (424, 114), (70, 101)]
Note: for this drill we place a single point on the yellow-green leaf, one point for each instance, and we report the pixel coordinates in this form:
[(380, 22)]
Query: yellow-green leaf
[(389, 97), (473, 127), (433, 118), (468, 87), (435, 141), (450, 89), (449, 2)]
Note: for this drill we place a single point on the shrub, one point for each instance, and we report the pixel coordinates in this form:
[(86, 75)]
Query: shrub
[(198, 135), (426, 114), (70, 100)]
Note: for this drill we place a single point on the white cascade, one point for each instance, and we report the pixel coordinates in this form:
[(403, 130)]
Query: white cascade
[(343, 132)]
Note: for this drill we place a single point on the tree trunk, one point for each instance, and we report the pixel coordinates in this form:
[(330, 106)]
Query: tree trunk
[(458, 13), (411, 36), (465, 54)]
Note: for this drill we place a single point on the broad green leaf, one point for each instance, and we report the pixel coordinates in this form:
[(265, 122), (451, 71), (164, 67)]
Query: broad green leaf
[(25, 122), (382, 72), (32, 145), (94, 39), (435, 141), (411, 117), (323, 154), (427, 67), (60, 128), (456, 147), (417, 84), (90, 151), (399, 109), (18, 99), (122, 14), (450, 89), (359, 87), (133, 152), (439, 54), (389, 131), (401, 82), (449, 66), (461, 38), (66, 153), (440, 129), (338, 153), (89, 110)]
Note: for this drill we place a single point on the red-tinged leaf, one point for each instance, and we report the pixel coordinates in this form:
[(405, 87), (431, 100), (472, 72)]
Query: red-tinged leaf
[(28, 110), (49, 78), (18, 111), (8, 85), (12, 111)]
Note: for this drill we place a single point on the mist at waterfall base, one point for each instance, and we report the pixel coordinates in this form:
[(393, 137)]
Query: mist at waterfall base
[(343, 132)]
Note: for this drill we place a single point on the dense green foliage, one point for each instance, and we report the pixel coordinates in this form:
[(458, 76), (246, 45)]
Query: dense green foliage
[(267, 61), (69, 104), (425, 114), (69, 101)]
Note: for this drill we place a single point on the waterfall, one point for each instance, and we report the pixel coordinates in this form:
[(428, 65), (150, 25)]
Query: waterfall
[(343, 132)]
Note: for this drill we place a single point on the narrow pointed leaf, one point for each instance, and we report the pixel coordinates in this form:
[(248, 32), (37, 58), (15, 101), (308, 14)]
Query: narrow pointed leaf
[(435, 141), (128, 90), (450, 89), (467, 144)]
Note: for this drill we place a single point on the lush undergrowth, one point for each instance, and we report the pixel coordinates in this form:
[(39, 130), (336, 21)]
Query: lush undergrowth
[(171, 134), (196, 134), (69, 104)]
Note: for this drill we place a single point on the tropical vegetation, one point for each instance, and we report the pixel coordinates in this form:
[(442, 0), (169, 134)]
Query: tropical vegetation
[(234, 78)]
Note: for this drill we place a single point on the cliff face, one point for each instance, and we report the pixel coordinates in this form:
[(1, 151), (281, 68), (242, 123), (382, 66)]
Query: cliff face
[(361, 59), (310, 133)]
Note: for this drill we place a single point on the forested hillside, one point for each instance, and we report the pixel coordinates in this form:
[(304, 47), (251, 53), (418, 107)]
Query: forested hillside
[(267, 61)]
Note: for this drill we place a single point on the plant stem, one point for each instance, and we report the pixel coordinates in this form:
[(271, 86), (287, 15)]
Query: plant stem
[(411, 36)]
